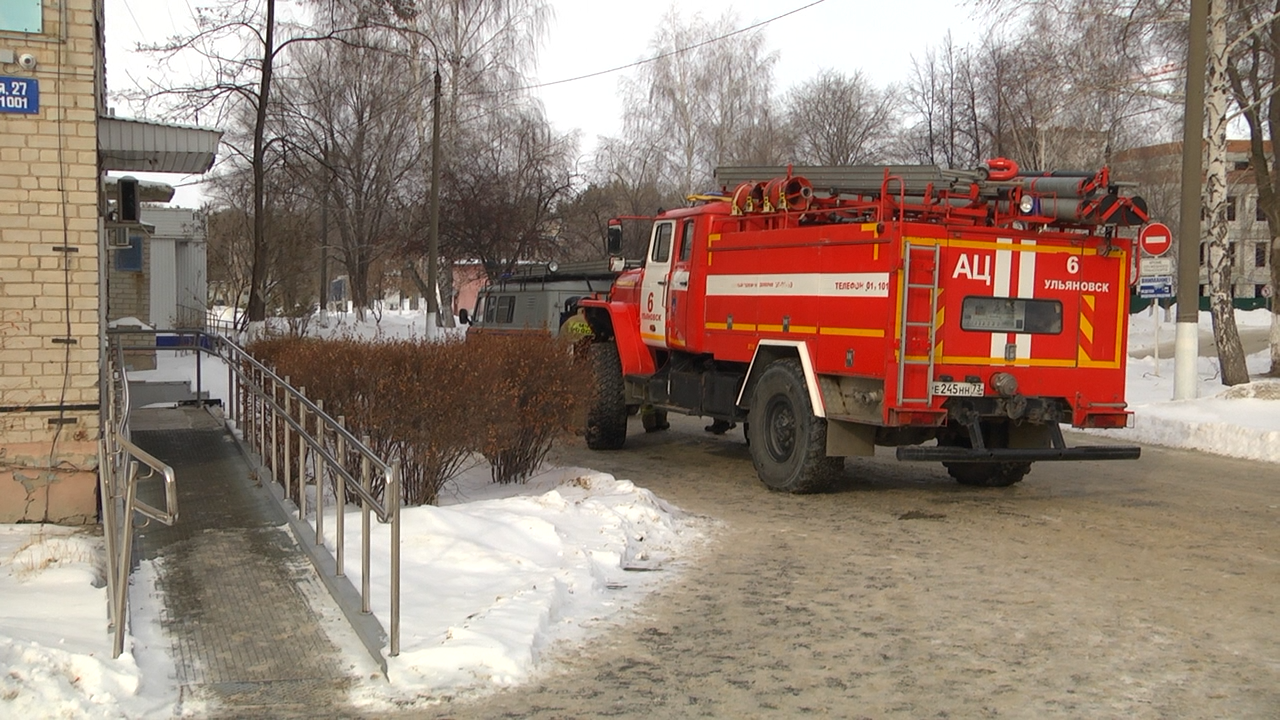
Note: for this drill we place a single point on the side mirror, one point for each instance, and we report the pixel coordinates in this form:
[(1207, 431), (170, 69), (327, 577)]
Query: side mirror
[(613, 240), (464, 317)]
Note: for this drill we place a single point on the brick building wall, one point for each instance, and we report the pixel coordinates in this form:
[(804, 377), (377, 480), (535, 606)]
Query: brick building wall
[(49, 273), (129, 291)]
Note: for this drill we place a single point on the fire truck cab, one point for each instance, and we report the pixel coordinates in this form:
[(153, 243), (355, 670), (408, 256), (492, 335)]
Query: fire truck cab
[(830, 310)]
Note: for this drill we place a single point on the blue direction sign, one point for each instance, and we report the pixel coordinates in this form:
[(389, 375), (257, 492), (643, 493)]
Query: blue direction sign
[(1155, 286), (19, 95)]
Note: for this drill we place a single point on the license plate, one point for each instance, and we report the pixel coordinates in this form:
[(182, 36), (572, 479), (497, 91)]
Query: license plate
[(961, 389)]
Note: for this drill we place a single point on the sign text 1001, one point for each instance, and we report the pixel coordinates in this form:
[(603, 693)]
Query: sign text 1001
[(19, 95)]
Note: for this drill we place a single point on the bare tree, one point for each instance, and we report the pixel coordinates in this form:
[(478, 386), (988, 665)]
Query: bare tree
[(480, 51), (350, 119), (838, 119), (1220, 260), (701, 104), (1254, 74), (1064, 85), (291, 256), (500, 207), (239, 46), (944, 95)]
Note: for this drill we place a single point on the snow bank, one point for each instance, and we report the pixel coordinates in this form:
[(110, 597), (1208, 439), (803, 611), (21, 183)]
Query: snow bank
[(488, 585)]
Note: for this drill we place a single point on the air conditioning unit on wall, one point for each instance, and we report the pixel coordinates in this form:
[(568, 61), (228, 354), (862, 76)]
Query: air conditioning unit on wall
[(118, 237)]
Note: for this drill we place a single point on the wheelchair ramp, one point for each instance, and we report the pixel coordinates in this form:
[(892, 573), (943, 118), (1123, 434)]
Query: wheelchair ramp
[(239, 595)]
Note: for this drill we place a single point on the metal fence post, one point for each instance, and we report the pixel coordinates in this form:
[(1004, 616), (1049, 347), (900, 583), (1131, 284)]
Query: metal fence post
[(275, 431), (302, 454), (199, 375), (122, 578), (286, 450), (260, 418), (340, 496), (319, 471), (367, 484), (392, 496), (233, 397)]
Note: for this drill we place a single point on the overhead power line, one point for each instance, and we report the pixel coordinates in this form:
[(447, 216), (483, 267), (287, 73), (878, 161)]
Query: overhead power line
[(655, 58)]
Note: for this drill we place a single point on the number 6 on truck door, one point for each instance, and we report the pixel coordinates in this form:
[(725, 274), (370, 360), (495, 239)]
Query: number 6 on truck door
[(654, 285)]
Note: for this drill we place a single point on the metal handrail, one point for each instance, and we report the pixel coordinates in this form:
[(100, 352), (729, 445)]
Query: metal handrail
[(118, 463), (253, 407)]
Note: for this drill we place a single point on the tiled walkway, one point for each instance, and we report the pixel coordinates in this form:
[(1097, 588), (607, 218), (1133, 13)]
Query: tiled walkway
[(246, 640)]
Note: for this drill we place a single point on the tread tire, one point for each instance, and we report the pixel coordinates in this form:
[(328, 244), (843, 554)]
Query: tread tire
[(986, 474), (607, 413), (788, 442)]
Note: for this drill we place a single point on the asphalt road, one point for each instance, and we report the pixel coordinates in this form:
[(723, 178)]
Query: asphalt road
[(1134, 589)]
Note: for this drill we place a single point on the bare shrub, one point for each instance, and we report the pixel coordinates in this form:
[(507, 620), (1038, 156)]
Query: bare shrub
[(430, 405), (536, 389)]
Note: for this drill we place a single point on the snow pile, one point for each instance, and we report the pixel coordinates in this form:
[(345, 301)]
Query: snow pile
[(54, 645), (1241, 421), (491, 581)]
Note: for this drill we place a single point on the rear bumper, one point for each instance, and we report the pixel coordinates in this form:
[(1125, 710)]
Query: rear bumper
[(961, 454)]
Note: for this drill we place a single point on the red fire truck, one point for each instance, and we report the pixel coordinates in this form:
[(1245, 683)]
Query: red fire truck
[(957, 315)]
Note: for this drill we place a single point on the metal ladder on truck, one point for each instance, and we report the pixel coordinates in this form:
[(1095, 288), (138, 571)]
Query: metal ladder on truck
[(919, 337)]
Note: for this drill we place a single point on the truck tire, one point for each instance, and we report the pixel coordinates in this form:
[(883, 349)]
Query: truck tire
[(985, 474), (788, 442), (607, 413)]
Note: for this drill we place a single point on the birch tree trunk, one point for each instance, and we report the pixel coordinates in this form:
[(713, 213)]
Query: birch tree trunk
[(1220, 260)]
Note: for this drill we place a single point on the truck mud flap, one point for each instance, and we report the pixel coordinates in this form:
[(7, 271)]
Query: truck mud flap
[(962, 454)]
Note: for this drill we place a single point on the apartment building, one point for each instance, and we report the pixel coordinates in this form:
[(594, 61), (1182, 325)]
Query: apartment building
[(1158, 170)]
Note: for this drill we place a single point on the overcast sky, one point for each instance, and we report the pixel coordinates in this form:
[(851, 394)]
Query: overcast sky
[(876, 37)]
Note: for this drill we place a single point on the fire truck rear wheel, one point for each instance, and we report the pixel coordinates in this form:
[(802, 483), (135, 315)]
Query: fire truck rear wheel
[(788, 442), (607, 414), (1001, 474), (988, 474)]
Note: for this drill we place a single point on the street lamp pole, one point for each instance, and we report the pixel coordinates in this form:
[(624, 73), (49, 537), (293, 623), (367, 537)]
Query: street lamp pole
[(1187, 343), (433, 231)]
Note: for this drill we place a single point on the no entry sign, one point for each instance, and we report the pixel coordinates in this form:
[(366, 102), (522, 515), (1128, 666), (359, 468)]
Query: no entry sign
[(1156, 238)]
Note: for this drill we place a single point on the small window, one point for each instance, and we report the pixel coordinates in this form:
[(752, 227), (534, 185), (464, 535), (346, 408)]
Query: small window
[(1231, 209), (1241, 165), (1015, 315), (686, 242), (1203, 250), (1260, 255), (1231, 254), (662, 243), (490, 308), (130, 259), (1258, 213), (506, 309)]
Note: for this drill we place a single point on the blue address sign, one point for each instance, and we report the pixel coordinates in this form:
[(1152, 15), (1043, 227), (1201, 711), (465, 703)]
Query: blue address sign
[(19, 95)]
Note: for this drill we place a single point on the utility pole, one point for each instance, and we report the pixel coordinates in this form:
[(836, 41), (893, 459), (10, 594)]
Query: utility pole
[(324, 256), (433, 230), (1187, 342)]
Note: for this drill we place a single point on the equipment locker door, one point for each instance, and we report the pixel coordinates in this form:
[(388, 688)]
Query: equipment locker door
[(678, 289), (655, 284)]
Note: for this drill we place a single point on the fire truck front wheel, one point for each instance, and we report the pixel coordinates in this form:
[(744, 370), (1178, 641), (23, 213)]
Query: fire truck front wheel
[(788, 442), (607, 411)]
